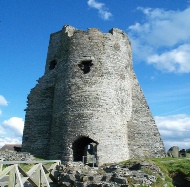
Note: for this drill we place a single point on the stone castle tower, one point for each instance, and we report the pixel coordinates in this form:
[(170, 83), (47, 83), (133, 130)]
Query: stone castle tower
[(89, 101)]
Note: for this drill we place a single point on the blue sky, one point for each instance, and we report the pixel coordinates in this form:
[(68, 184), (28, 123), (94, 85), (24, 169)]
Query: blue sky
[(160, 36)]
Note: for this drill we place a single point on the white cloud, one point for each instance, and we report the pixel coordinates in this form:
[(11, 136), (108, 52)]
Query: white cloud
[(11, 131), (104, 14), (3, 101), (5, 140), (176, 60), (0, 112), (163, 28), (14, 125), (163, 39), (175, 130)]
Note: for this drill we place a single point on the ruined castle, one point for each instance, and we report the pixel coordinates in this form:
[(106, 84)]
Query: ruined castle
[(89, 101)]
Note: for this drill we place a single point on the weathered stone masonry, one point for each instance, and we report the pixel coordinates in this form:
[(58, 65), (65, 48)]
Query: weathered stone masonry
[(89, 101)]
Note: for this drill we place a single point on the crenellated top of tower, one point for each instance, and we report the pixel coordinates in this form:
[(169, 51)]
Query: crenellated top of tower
[(92, 42), (70, 31)]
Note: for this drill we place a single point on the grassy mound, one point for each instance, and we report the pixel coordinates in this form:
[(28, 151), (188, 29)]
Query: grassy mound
[(177, 171)]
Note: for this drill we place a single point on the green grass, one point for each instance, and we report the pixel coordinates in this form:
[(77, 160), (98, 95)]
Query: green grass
[(175, 170), (172, 166)]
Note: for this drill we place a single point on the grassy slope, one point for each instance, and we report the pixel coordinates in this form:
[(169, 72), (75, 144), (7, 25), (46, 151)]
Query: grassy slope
[(177, 171)]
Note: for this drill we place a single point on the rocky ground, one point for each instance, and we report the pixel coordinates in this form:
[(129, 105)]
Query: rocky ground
[(143, 173), (15, 156)]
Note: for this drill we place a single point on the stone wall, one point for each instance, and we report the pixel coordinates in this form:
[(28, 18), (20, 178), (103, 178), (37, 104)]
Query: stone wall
[(89, 94), (38, 121), (143, 136)]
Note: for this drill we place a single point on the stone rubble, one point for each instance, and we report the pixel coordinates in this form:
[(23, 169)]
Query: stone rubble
[(76, 174), (15, 156)]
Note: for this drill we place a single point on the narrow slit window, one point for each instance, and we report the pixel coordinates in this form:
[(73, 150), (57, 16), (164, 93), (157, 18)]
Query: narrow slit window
[(52, 64), (85, 66)]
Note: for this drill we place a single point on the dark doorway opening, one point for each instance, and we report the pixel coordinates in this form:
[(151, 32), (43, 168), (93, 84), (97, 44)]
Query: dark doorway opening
[(84, 147)]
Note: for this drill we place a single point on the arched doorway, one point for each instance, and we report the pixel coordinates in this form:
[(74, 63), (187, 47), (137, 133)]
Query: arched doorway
[(84, 147)]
